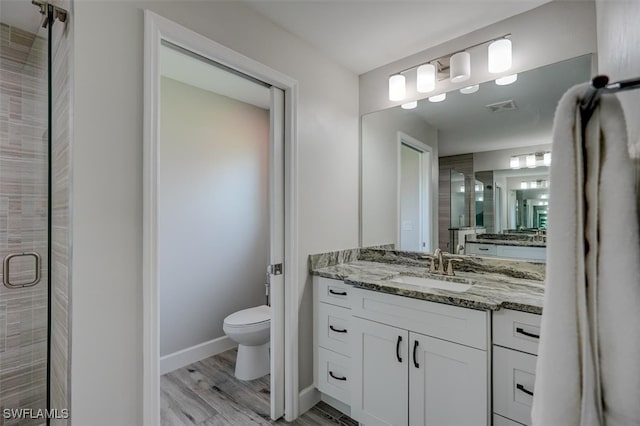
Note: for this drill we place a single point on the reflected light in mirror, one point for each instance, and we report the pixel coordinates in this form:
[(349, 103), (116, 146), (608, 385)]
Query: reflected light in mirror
[(499, 56), (396, 87), (533, 184), (426, 78), (514, 162), (544, 196), (547, 158), (531, 161), (470, 89), (409, 105), (438, 98), (504, 81), (523, 185)]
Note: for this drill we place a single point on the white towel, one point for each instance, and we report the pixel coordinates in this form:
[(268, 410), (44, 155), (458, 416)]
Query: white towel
[(588, 368)]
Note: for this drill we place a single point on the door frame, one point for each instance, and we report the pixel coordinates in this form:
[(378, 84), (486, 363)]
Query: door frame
[(156, 29), (428, 221)]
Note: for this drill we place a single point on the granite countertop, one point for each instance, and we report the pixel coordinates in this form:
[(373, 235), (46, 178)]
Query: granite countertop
[(504, 242), (491, 290)]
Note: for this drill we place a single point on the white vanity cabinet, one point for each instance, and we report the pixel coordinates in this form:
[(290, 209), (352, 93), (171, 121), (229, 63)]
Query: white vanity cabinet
[(515, 346), (416, 362), (507, 252), (332, 331)]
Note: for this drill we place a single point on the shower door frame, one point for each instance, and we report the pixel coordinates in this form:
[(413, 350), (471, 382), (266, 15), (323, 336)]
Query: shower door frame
[(158, 28)]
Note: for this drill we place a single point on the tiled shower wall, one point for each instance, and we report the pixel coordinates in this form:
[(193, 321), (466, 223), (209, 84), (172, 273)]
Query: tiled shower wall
[(60, 221), (23, 217)]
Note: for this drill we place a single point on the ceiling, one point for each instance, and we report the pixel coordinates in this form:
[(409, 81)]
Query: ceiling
[(365, 34), (465, 124)]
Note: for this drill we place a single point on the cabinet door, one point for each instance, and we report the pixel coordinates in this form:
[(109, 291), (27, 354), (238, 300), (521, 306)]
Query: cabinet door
[(447, 383), (380, 378)]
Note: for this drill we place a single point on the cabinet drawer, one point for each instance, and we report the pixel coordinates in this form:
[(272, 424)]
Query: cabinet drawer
[(516, 330), (513, 381), (334, 328), (333, 375), (333, 291), (519, 252), (451, 323), (481, 249), (503, 421)]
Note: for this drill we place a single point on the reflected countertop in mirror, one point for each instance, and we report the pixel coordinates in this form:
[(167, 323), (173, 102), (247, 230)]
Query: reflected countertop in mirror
[(463, 174)]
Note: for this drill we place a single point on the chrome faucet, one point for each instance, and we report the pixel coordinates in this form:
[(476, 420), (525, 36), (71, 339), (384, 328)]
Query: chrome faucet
[(432, 268)]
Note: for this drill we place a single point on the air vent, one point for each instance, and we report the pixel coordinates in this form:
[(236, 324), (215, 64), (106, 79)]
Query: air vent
[(502, 106)]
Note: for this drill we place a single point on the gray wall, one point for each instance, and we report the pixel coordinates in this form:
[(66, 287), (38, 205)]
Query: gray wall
[(380, 170), (213, 223), (107, 175), (410, 184)]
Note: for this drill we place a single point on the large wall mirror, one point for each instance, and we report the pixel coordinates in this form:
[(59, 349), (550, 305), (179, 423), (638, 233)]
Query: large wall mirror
[(471, 167)]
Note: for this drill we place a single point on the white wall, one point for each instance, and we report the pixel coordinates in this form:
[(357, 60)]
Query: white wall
[(213, 241), (619, 58), (550, 33), (380, 171), (107, 196)]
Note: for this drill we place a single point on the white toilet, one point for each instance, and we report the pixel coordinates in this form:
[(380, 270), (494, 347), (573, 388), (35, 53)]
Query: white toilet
[(250, 329)]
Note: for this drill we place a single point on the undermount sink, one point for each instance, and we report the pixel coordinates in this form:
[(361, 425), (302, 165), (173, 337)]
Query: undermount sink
[(431, 283)]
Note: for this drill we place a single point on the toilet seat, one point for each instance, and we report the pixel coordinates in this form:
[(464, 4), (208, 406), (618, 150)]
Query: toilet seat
[(248, 317)]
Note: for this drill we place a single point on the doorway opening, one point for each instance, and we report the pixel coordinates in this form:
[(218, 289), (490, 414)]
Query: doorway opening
[(415, 193), (220, 209)]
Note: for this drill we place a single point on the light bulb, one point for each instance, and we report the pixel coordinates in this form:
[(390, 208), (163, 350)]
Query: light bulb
[(409, 105), (523, 185), (533, 184), (426, 78), (460, 67), (514, 163), (397, 88), (530, 161), (499, 56), (470, 89), (438, 98), (503, 81)]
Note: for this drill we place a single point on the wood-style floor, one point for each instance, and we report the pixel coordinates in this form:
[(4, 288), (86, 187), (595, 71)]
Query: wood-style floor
[(207, 393)]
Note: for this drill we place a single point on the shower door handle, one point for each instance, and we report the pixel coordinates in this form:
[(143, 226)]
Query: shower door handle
[(6, 274)]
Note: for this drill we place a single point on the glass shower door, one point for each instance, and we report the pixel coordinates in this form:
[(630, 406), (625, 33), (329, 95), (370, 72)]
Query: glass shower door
[(24, 212)]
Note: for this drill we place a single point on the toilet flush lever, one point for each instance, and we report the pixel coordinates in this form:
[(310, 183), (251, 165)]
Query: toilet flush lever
[(275, 269)]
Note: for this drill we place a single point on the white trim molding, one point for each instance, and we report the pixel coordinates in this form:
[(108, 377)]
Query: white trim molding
[(156, 29), (309, 397), (184, 357)]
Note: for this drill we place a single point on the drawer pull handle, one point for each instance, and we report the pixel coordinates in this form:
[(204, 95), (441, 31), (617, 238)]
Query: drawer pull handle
[(338, 293), (398, 349), (343, 379), (521, 331), (415, 360), (483, 249), (523, 389), (338, 330)]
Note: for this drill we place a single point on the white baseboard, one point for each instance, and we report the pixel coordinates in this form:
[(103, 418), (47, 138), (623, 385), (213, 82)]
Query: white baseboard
[(338, 405), (307, 398), (171, 362)]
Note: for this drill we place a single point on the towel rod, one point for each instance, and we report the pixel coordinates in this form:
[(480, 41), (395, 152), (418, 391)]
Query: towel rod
[(599, 86)]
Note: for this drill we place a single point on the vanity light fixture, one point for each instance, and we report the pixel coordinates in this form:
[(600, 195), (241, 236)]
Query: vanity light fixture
[(514, 162), (397, 89), (480, 198), (409, 105), (547, 159), (455, 66), (499, 53), (530, 161), (460, 67), (504, 81), (462, 188), (533, 184), (426, 78), (544, 196), (523, 185), (438, 98)]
